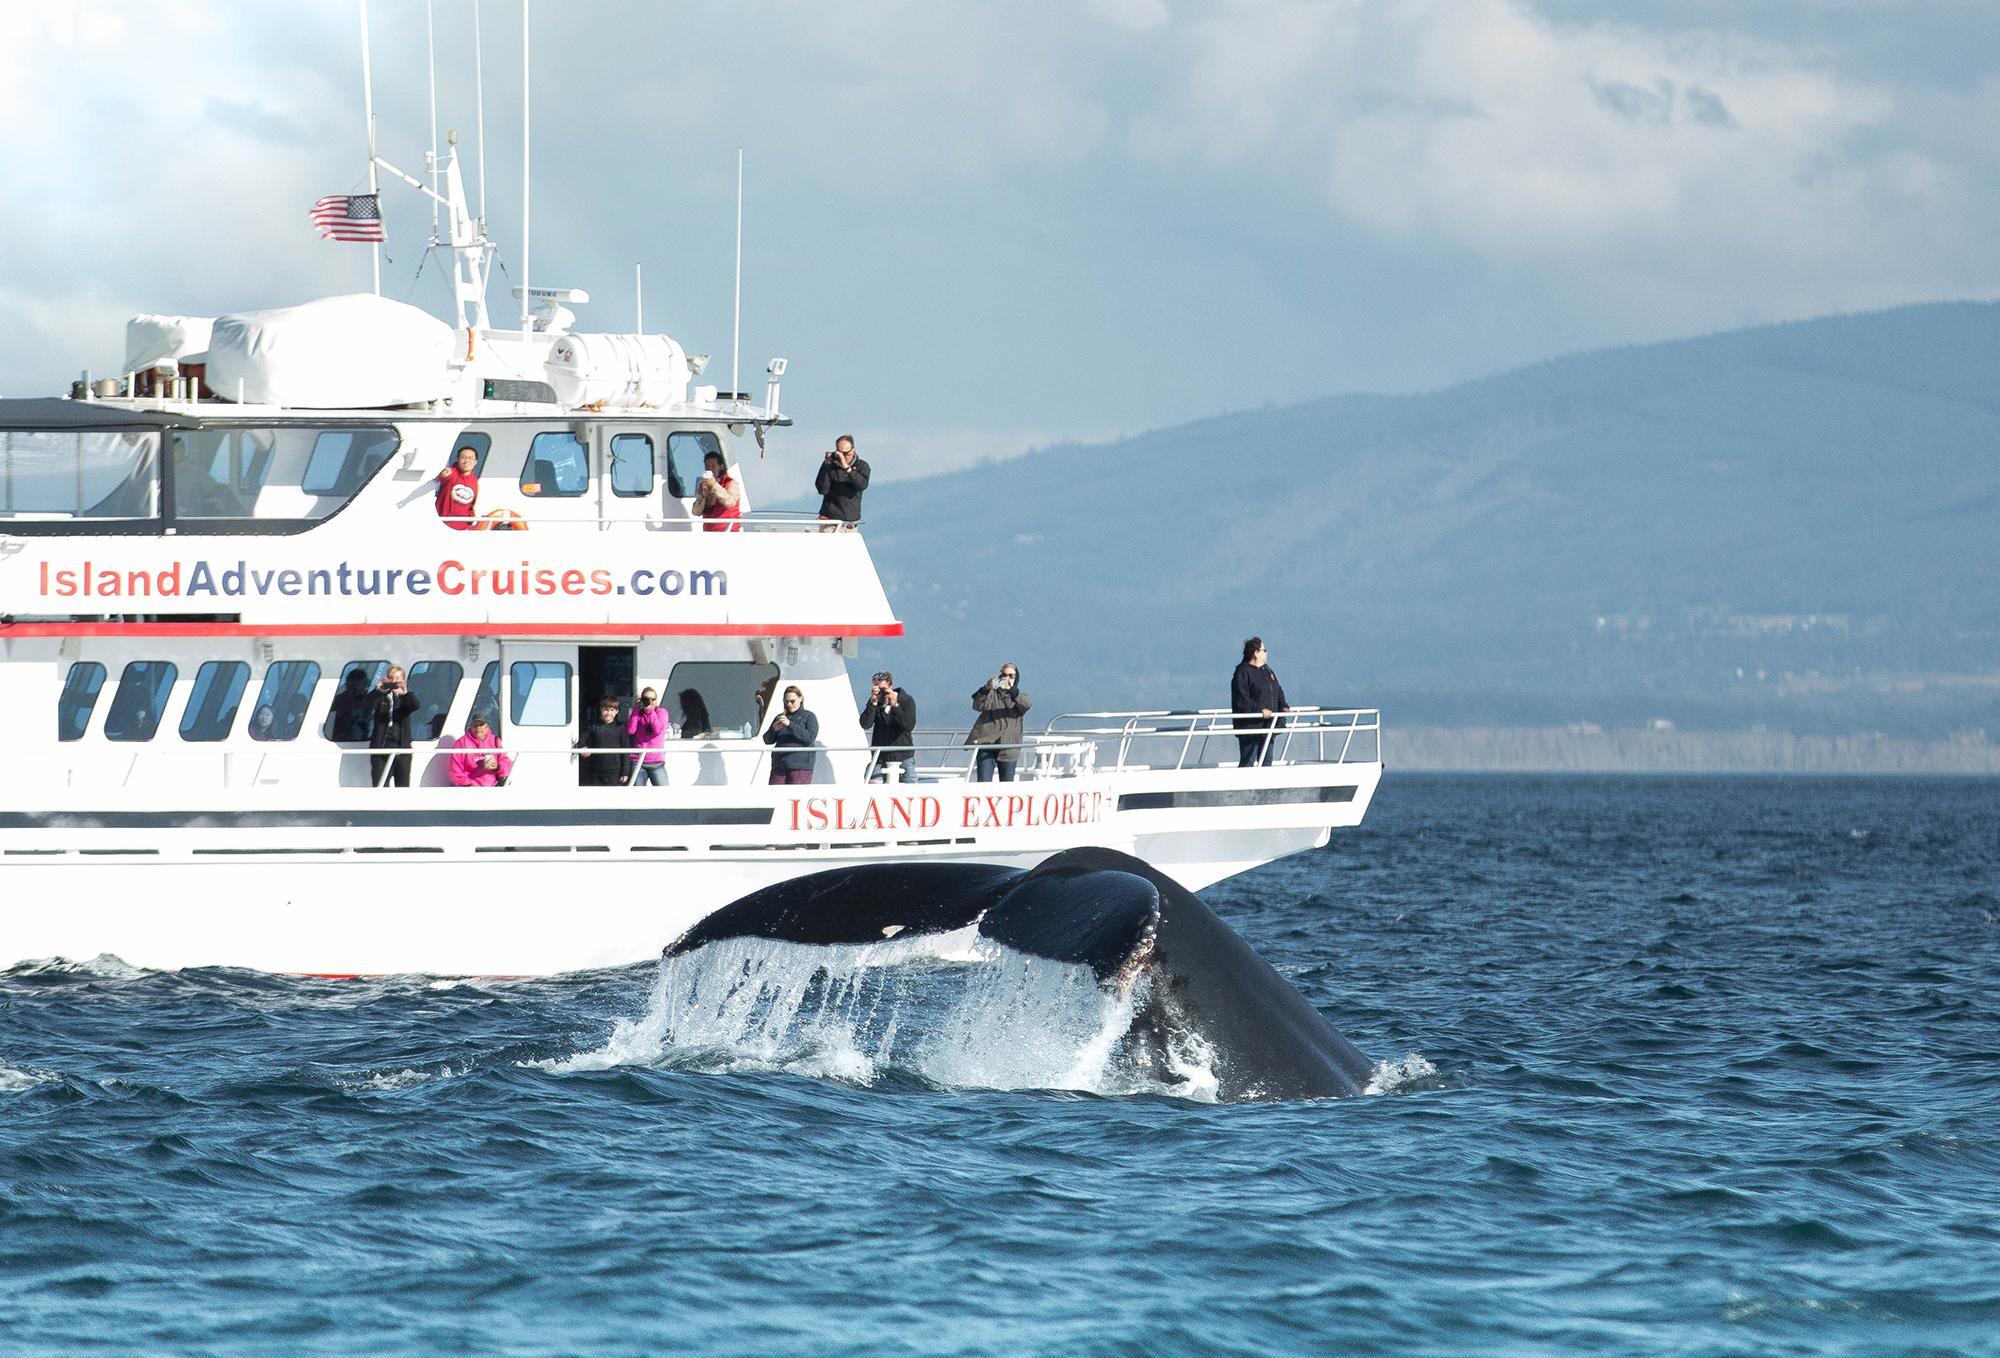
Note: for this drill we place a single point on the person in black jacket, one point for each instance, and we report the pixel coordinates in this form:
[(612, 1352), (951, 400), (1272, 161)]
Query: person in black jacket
[(996, 731), (842, 477), (1255, 692), (793, 733), (890, 718), (391, 706), (612, 767)]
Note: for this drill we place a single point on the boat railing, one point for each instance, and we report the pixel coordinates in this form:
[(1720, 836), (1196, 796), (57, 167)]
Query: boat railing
[(1074, 744), (1180, 738), (761, 521)]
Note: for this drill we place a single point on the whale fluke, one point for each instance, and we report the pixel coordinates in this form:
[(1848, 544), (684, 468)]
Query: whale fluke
[(1094, 907)]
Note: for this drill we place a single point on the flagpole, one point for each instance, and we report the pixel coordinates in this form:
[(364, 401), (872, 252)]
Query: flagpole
[(368, 107), (736, 331)]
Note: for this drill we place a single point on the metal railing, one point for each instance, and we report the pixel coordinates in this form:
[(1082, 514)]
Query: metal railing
[(1073, 745), (530, 517)]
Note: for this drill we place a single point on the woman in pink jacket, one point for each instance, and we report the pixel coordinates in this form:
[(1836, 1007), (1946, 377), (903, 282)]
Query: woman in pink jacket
[(478, 761), (648, 731)]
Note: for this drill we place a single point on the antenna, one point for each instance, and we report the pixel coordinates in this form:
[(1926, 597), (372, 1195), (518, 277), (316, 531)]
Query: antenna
[(479, 98), (736, 337), (525, 280), (638, 302), (368, 107), (430, 48)]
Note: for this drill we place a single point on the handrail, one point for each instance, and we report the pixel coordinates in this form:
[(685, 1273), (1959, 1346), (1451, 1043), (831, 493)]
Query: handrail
[(759, 521), (1073, 745)]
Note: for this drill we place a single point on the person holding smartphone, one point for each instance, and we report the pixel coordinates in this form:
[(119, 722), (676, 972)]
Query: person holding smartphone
[(997, 729), (718, 499), (392, 705), (890, 718), (647, 731)]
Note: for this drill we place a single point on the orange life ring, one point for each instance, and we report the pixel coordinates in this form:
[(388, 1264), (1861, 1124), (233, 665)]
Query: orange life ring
[(502, 519)]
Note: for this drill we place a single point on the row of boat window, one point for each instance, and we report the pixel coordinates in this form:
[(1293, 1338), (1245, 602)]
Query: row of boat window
[(239, 472), (707, 697)]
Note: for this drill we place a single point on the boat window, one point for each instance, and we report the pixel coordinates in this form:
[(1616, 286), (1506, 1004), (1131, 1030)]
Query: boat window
[(685, 451), (87, 474), (631, 464), (433, 683), (227, 478), (557, 465), (720, 697), (541, 692), (343, 460), (79, 699), (282, 701), (218, 692), (479, 443), (143, 689), (487, 700), (351, 715), (218, 473)]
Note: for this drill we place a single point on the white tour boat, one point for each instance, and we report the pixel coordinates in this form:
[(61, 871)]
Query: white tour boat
[(202, 556)]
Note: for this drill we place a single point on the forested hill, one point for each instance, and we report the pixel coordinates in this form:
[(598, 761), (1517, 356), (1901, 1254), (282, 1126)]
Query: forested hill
[(1796, 525)]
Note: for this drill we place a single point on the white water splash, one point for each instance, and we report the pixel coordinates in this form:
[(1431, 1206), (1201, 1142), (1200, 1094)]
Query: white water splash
[(14, 1079), (1389, 1076), (954, 1010), (395, 1081)]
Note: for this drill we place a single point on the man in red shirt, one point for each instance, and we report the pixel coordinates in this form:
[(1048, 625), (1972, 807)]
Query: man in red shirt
[(458, 489)]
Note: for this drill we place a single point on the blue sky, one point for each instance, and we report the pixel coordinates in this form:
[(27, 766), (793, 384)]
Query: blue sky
[(978, 229)]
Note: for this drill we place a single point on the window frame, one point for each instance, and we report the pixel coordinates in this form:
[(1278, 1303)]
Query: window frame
[(281, 720), (65, 710), (162, 697), (204, 684), (542, 492)]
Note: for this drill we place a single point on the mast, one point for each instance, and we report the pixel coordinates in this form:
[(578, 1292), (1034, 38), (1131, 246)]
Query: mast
[(368, 109), (527, 288), (736, 330)]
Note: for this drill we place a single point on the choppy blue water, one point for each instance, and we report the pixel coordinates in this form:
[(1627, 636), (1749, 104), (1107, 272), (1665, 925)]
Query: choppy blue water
[(1715, 1070)]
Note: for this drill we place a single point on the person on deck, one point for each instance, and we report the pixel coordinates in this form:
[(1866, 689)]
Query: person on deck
[(477, 760), (1254, 692), (647, 730), (613, 767), (842, 477), (719, 498), (793, 734), (890, 718), (458, 489), (353, 708), (391, 706), (997, 729)]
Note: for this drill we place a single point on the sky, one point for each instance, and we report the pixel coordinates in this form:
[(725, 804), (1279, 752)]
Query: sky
[(978, 229)]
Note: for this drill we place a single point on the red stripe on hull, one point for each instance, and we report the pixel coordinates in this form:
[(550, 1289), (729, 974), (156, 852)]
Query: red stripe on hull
[(425, 629)]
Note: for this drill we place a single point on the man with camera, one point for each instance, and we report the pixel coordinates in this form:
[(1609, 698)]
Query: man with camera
[(890, 718), (842, 477), (391, 706)]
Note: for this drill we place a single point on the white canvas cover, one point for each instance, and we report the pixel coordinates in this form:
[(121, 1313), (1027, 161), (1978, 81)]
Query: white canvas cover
[(153, 340), (355, 351)]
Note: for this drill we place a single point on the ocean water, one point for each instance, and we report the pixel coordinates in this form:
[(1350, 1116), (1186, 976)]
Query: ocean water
[(1667, 1066)]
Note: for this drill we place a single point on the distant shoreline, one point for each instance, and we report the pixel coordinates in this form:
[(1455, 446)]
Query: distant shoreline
[(1560, 749)]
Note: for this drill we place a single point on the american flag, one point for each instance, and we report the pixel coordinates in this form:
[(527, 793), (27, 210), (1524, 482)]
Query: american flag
[(356, 216)]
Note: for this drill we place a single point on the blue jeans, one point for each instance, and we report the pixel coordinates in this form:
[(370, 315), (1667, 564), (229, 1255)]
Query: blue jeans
[(656, 774), (989, 764)]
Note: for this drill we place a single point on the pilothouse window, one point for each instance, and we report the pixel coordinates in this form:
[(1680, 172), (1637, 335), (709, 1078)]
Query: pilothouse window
[(558, 464), (685, 450), (89, 474), (218, 473), (541, 692), (343, 460), (631, 465)]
